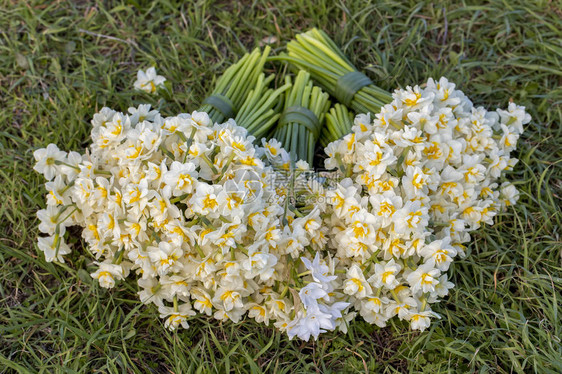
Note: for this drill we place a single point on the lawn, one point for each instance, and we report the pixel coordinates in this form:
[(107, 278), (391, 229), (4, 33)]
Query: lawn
[(61, 61)]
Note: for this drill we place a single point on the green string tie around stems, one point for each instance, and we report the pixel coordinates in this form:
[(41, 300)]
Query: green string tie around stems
[(302, 116), (222, 104), (348, 85)]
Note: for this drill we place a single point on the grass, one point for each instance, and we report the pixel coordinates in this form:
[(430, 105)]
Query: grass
[(61, 61)]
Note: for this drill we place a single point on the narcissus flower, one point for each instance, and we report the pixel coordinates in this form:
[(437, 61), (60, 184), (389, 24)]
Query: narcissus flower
[(149, 81)]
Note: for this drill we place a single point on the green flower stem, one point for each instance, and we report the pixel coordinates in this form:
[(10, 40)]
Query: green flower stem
[(71, 213), (339, 121), (199, 251)]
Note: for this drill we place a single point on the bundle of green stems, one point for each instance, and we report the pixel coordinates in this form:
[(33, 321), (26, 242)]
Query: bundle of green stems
[(234, 86), (339, 121), (316, 53), (262, 108), (303, 115)]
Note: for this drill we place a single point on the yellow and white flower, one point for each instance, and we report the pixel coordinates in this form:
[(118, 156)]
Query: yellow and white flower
[(149, 81)]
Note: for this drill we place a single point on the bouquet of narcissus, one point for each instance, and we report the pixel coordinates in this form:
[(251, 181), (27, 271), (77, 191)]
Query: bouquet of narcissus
[(420, 177), (188, 208), (219, 211)]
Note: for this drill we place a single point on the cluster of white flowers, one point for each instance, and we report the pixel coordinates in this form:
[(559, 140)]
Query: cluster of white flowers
[(419, 178), (194, 210), (149, 81), (208, 222)]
